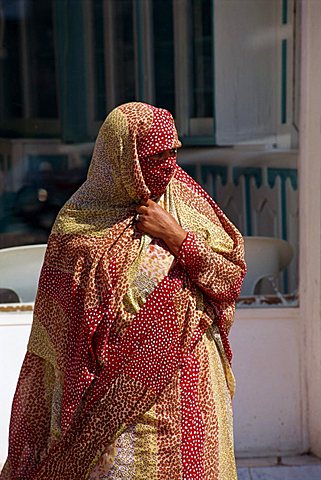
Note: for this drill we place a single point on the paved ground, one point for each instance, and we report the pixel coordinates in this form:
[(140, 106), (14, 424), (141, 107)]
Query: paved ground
[(302, 467)]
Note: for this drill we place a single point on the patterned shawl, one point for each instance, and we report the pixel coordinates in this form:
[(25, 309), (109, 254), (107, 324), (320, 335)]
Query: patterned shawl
[(97, 356)]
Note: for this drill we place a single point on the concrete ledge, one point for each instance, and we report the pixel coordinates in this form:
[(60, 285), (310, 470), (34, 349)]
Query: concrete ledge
[(293, 460), (300, 467), (310, 472), (256, 462)]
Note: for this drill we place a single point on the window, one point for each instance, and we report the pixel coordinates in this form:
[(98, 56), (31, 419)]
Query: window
[(28, 89), (158, 51), (225, 69)]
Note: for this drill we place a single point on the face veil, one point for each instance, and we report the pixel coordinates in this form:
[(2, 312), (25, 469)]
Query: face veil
[(162, 137)]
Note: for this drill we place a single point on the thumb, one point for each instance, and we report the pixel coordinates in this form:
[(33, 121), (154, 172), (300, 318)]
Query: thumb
[(146, 201)]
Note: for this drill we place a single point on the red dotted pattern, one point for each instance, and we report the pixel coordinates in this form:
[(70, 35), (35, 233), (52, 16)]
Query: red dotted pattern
[(193, 432), (114, 371), (150, 349), (194, 260), (157, 174), (80, 366), (161, 136), (197, 258)]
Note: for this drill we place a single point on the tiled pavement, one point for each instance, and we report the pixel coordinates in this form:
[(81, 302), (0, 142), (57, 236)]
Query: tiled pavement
[(302, 467)]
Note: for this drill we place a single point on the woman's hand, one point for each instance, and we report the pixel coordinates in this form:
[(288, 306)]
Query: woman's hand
[(155, 221)]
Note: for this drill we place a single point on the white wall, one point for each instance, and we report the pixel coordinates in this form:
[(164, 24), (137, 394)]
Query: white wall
[(14, 334), (269, 404), (310, 213)]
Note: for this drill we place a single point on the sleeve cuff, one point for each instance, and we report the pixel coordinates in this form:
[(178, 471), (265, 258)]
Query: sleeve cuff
[(188, 254)]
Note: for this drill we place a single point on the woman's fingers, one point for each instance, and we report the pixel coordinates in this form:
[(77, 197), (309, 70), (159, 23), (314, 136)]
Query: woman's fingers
[(145, 201), (142, 209), (155, 221)]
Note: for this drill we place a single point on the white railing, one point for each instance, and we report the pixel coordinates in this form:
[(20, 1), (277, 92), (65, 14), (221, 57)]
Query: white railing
[(258, 191)]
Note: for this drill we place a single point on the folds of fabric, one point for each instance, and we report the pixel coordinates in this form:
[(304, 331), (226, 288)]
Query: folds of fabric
[(103, 348)]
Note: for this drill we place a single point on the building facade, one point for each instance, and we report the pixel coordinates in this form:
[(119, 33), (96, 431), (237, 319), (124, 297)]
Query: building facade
[(242, 79)]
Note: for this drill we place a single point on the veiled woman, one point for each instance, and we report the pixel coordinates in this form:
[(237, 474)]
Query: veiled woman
[(127, 373)]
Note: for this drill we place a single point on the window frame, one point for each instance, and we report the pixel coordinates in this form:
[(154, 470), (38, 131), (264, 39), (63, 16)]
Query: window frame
[(195, 131), (28, 125)]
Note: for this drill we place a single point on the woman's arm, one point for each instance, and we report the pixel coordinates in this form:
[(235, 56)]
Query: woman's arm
[(219, 278), (158, 223)]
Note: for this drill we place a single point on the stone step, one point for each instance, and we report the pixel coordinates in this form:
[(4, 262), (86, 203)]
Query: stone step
[(300, 467)]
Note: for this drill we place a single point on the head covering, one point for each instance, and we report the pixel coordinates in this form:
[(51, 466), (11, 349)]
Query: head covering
[(162, 136), (131, 132), (92, 353)]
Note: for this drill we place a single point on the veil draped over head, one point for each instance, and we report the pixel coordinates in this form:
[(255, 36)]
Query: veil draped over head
[(98, 357)]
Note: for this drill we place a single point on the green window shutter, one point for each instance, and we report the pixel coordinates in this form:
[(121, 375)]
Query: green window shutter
[(72, 77)]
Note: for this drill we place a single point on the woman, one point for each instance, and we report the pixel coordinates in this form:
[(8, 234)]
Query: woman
[(127, 374)]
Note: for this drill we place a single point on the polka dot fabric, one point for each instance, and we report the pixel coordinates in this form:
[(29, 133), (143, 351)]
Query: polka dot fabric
[(127, 373), (161, 137)]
